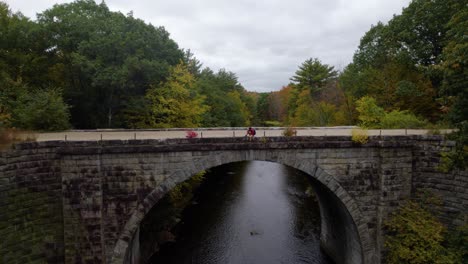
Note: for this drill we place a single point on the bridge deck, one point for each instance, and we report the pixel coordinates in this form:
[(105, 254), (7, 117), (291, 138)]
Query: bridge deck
[(105, 134)]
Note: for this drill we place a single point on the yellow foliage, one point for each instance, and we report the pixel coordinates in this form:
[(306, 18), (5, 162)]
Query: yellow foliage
[(415, 236), (359, 136), (175, 103)]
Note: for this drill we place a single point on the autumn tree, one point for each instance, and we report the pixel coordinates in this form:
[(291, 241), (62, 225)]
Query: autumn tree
[(415, 236), (175, 103), (400, 63)]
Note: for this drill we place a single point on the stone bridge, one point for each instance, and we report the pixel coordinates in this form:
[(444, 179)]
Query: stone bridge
[(82, 202)]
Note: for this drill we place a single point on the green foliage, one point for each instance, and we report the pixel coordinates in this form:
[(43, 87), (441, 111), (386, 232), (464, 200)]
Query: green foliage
[(303, 113), (414, 59), (446, 163), (407, 88), (401, 119), (373, 116), (457, 241), (325, 114), (182, 193), (415, 236), (420, 31), (272, 123), (114, 71), (103, 58), (137, 113), (455, 72), (359, 136), (313, 75), (42, 110), (370, 114), (227, 99), (457, 158), (240, 115)]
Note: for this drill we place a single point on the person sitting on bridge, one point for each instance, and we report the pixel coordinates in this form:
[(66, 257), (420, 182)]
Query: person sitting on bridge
[(251, 133)]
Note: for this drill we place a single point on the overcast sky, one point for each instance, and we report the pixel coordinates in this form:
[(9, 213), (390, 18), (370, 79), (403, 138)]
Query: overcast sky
[(262, 41)]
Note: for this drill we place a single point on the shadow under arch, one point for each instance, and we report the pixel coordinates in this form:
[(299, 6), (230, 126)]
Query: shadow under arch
[(344, 232)]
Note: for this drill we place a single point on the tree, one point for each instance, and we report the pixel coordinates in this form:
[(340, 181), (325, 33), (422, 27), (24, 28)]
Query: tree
[(373, 48), (312, 75), (370, 114), (105, 58), (263, 106), (175, 103), (420, 31), (303, 113), (455, 67), (26, 99), (415, 236), (455, 87), (42, 110), (238, 113), (401, 64), (193, 64), (230, 105)]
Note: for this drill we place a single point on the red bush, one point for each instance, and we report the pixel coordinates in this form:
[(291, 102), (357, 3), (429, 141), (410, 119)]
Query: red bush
[(191, 134)]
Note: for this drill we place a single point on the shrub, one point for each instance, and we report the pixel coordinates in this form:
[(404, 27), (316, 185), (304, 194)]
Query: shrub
[(42, 110), (359, 136), (289, 132), (370, 114), (191, 134), (401, 119), (416, 236), (270, 123), (457, 241)]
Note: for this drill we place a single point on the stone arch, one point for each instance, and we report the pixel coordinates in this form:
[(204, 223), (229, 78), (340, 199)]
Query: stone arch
[(217, 158)]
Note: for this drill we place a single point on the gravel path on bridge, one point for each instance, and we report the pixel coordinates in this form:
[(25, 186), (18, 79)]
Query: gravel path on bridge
[(91, 135)]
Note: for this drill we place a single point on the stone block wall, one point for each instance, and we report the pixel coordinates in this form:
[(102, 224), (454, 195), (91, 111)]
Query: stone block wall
[(82, 208), (451, 187), (31, 223)]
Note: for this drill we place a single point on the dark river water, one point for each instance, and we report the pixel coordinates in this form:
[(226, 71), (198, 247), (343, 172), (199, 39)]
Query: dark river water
[(249, 213)]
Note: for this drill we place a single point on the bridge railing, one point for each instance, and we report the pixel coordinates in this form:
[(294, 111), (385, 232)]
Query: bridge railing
[(123, 134)]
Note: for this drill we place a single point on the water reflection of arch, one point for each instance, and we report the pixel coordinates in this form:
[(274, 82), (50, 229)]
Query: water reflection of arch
[(345, 235)]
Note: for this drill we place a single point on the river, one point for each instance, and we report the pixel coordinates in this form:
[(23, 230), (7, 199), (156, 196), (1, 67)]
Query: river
[(249, 213)]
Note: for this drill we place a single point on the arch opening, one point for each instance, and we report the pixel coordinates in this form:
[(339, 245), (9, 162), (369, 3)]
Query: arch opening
[(343, 232), (245, 212)]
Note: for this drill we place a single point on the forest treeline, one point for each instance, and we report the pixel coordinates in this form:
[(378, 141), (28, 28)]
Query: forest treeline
[(80, 65)]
